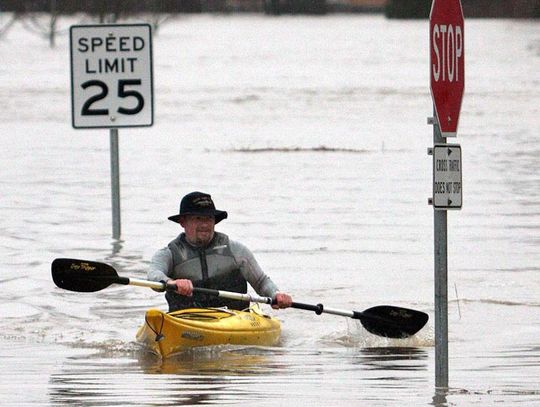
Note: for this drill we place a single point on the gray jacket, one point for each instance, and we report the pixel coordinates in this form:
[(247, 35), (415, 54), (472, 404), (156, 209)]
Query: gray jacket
[(223, 265)]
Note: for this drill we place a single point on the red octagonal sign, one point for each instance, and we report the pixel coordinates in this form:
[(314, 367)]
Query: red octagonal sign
[(447, 62)]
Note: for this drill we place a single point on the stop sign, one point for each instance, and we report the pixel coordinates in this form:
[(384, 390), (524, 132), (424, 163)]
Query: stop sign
[(447, 62)]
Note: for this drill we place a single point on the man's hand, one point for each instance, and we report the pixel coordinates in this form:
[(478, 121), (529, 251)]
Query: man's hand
[(282, 300), (183, 287)]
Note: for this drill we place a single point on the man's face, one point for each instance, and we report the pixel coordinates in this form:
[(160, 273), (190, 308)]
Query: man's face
[(199, 229)]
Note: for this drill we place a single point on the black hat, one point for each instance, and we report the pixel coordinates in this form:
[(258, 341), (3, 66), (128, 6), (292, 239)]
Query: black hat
[(198, 203)]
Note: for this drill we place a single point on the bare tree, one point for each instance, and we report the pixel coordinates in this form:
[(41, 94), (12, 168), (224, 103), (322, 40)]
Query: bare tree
[(111, 11), (156, 16), (6, 25), (42, 16), (45, 25)]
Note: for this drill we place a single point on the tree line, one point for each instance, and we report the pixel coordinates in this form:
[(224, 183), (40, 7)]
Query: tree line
[(97, 7)]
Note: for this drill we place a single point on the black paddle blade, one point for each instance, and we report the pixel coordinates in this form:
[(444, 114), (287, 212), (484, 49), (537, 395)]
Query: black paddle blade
[(83, 275), (392, 322)]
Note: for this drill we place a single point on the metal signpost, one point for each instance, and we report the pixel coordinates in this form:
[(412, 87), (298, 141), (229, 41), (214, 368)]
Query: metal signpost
[(112, 86), (447, 83)]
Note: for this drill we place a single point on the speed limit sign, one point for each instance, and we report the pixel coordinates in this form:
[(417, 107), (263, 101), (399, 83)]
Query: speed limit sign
[(111, 76)]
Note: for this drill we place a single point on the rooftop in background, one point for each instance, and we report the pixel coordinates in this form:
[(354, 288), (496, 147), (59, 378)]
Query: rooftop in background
[(392, 8)]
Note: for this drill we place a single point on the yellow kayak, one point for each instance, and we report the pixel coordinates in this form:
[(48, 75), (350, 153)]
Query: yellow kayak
[(168, 333)]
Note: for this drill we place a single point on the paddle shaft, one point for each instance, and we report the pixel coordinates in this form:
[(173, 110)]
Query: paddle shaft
[(318, 309)]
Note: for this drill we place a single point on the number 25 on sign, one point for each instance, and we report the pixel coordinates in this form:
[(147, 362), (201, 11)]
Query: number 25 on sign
[(123, 92)]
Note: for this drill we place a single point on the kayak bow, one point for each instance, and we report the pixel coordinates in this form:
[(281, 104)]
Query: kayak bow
[(168, 333)]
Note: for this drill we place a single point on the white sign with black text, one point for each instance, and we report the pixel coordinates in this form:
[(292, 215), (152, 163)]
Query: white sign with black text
[(447, 176), (111, 76)]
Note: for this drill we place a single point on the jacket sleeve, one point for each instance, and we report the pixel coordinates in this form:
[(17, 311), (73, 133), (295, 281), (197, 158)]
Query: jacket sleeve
[(161, 265), (251, 270)]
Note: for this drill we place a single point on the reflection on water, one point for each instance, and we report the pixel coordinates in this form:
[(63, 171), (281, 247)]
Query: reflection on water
[(388, 359), (117, 245), (440, 398), (225, 374), (214, 360)]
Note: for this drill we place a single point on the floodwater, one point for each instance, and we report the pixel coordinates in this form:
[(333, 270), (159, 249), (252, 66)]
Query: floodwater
[(312, 133)]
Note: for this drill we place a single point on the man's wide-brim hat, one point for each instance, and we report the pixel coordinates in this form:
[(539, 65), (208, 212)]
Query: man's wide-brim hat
[(198, 203)]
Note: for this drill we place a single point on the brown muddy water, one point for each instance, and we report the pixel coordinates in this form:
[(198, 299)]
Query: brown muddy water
[(312, 133)]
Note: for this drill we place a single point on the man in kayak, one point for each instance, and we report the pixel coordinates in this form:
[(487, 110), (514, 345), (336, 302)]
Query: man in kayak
[(202, 257)]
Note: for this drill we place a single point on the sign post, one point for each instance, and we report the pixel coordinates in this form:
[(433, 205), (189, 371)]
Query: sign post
[(115, 184), (112, 86), (447, 83)]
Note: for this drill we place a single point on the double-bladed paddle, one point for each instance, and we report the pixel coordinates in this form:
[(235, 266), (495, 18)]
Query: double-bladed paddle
[(90, 276)]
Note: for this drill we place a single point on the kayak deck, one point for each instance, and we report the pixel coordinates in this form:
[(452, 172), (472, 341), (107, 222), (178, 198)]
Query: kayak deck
[(168, 333)]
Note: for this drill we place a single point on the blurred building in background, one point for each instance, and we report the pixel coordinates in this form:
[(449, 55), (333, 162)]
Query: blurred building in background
[(471, 8), (357, 6), (391, 8)]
